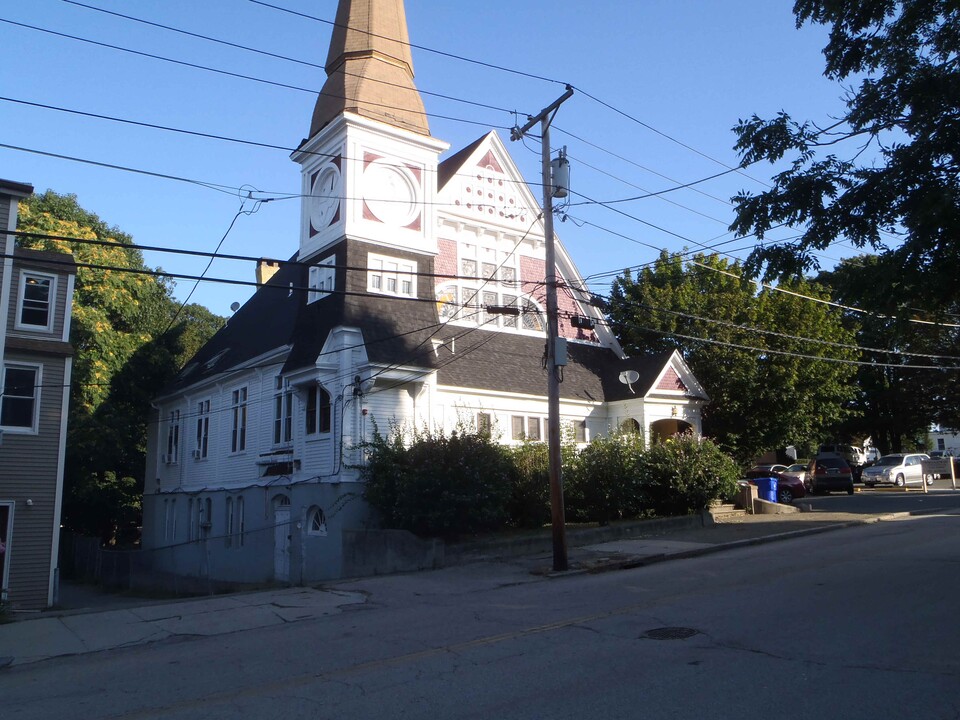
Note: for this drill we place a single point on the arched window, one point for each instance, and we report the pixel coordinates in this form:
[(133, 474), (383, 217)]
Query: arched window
[(319, 411), (630, 426), (316, 522)]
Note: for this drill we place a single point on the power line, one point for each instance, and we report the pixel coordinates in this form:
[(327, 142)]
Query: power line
[(442, 53), (672, 139), (211, 136), (277, 56), (241, 76), (248, 258), (787, 353), (209, 185), (774, 333)]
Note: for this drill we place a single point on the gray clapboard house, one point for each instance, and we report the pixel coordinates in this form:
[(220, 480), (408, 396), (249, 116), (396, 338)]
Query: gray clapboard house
[(381, 316), (35, 303)]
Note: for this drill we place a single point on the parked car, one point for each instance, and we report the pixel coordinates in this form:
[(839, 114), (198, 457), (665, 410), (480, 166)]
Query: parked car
[(764, 471), (789, 488), (797, 470), (828, 474), (899, 469), (851, 453)]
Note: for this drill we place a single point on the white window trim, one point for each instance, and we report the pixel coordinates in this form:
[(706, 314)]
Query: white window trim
[(51, 303), (8, 544), (322, 530), (285, 419), (202, 451), (526, 426), (174, 437), (235, 446), (474, 314), (322, 279), (37, 388), (406, 271)]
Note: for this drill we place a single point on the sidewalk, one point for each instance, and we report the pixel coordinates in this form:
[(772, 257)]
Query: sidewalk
[(73, 632)]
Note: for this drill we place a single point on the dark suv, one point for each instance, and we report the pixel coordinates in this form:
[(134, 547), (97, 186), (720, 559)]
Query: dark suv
[(828, 474)]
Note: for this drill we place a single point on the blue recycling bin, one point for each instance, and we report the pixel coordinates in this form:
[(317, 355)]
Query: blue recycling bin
[(767, 488)]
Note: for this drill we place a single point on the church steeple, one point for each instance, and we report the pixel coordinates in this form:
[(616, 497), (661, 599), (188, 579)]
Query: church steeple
[(370, 68)]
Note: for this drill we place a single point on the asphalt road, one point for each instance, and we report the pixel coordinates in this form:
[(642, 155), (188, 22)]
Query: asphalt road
[(856, 623)]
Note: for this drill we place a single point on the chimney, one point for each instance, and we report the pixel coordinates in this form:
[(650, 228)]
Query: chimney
[(266, 269)]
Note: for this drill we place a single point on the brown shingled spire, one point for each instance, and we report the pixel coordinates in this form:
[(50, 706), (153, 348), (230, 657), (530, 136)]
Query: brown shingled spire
[(370, 69)]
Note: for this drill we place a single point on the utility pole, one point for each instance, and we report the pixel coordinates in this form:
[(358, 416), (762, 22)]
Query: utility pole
[(545, 117)]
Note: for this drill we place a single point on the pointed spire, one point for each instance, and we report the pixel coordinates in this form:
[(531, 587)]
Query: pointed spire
[(370, 68)]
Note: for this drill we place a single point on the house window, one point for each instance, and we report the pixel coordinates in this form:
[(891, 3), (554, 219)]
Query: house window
[(193, 519), (525, 428), (317, 522), (484, 423), (203, 428), (34, 301), (170, 519), (391, 276), (322, 278), (173, 437), (533, 429), (21, 393), (580, 431), (531, 316), (238, 437), (206, 515), (318, 411), (282, 412), (228, 534), (239, 522)]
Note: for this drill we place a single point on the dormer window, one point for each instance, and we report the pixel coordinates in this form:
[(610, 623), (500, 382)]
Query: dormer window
[(322, 278), (34, 309), (391, 276)]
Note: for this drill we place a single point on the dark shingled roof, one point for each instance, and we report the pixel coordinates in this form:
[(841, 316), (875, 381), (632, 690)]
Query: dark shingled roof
[(509, 362), (449, 167), (401, 332)]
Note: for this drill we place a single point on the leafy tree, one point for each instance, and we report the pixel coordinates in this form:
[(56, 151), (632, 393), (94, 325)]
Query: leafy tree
[(895, 403), (125, 351), (887, 176), (768, 387)]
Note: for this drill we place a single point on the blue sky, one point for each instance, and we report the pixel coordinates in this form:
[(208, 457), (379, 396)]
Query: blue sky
[(688, 69)]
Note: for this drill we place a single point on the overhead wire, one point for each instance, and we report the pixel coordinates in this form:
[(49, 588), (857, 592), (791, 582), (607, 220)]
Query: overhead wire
[(241, 76), (277, 56), (214, 136)]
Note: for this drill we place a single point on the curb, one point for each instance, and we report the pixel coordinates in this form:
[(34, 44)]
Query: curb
[(631, 562)]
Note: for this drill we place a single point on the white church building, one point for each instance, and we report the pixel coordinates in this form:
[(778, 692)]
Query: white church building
[(380, 318)]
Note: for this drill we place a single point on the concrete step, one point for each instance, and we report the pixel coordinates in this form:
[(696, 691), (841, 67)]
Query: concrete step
[(727, 510)]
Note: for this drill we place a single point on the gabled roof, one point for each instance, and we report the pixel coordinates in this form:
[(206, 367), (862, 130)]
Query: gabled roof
[(511, 363), (449, 167)]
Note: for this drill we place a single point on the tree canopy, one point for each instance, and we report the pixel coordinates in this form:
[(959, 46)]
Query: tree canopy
[(904, 388), (775, 364), (886, 176), (126, 349)]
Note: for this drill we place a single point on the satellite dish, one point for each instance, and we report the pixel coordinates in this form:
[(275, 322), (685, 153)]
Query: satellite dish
[(234, 306), (628, 377)]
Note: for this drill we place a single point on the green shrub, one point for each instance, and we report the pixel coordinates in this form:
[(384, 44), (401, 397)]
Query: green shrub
[(684, 474), (604, 483), (440, 485), (530, 492)]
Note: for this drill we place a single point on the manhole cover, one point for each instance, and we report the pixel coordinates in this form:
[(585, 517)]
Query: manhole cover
[(670, 633)]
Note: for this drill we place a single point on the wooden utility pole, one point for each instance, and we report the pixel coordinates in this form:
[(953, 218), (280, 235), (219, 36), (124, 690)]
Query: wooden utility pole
[(545, 117)]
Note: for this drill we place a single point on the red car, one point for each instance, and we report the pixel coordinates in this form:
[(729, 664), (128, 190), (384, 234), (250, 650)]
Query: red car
[(788, 488)]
